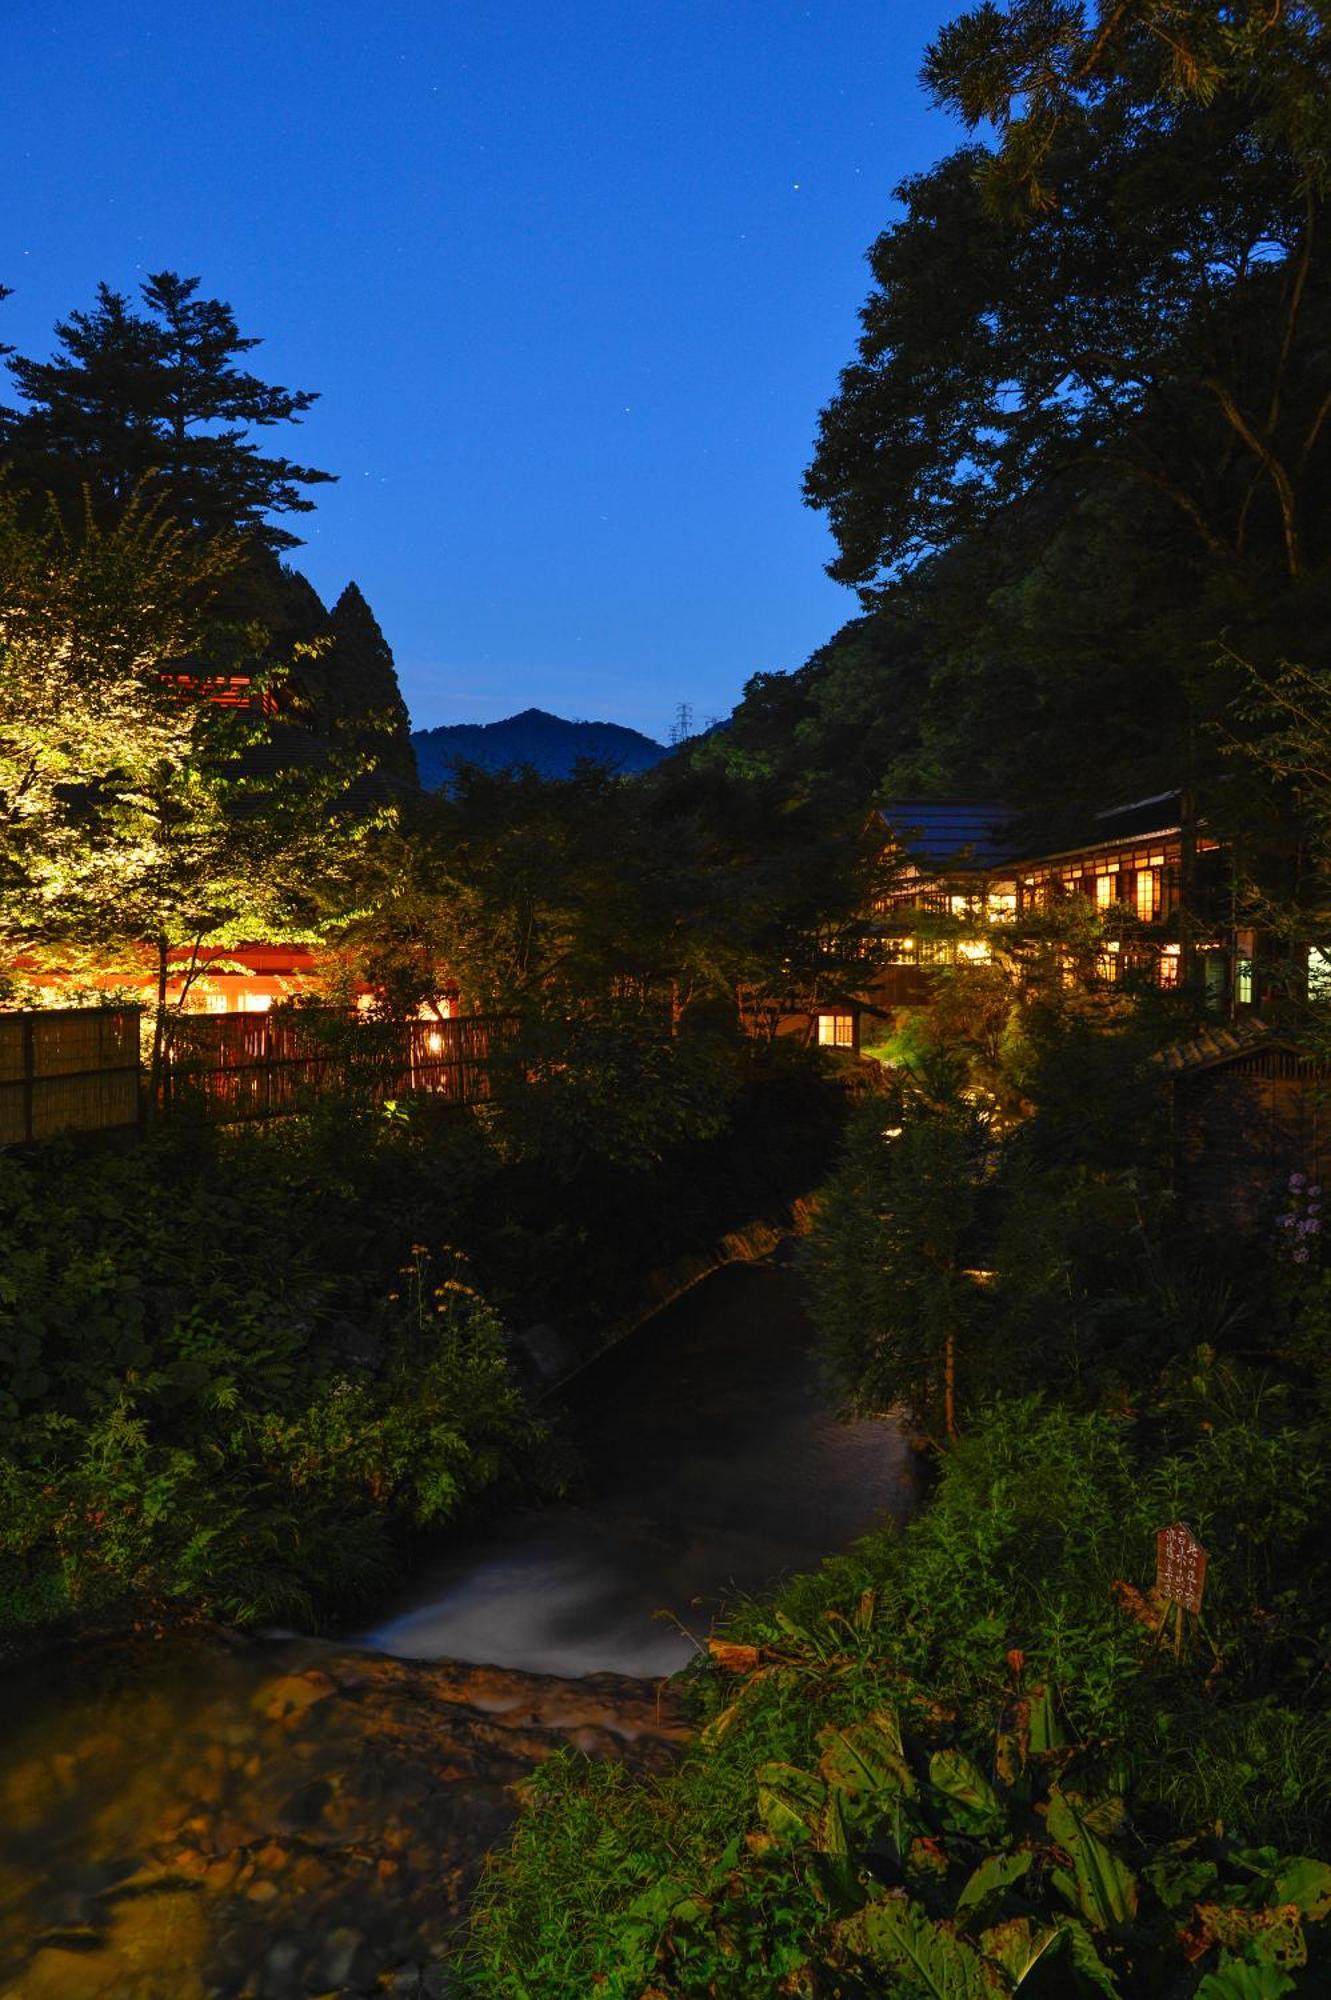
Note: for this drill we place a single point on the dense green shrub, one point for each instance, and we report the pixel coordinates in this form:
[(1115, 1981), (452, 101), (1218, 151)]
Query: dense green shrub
[(1005, 1585), (239, 1368), (220, 1392)]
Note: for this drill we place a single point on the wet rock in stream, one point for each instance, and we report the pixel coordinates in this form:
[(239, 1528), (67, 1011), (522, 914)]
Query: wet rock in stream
[(268, 1823)]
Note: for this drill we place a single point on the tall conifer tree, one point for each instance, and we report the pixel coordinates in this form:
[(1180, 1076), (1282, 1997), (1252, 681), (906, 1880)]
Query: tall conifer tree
[(161, 391)]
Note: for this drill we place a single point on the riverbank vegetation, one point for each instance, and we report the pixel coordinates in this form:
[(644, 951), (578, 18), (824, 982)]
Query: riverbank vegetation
[(976, 1755), (242, 1371)]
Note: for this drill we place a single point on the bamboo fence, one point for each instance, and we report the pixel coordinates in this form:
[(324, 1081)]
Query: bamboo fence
[(68, 1069), (243, 1066)]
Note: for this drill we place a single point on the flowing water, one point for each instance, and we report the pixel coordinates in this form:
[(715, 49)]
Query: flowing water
[(714, 1465), (293, 1817)]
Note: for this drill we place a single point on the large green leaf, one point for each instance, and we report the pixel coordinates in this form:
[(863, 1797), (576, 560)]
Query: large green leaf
[(1046, 1729), (1272, 1936), (834, 1865), (1101, 1886), (1086, 1960), (652, 1910), (1180, 1878), (832, 1836), (895, 1935), (867, 1760), (1019, 1944), (790, 1801), (972, 1802), (1306, 1883), (1237, 1981), (983, 1891)]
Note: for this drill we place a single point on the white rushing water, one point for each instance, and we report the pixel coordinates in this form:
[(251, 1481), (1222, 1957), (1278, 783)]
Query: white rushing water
[(714, 1466)]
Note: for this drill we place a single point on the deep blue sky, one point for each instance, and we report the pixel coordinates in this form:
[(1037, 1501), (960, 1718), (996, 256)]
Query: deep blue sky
[(573, 279)]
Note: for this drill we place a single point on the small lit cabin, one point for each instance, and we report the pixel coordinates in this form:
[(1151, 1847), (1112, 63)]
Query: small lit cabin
[(220, 979)]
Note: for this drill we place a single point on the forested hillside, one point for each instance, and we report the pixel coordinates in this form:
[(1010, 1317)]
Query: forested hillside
[(532, 740)]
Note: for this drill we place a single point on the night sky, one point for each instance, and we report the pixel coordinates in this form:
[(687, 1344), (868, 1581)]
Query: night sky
[(573, 280)]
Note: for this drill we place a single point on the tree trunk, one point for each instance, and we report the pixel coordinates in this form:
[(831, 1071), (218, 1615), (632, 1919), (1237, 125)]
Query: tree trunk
[(950, 1387), (159, 1034)]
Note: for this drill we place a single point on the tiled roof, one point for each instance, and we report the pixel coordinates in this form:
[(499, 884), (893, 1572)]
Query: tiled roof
[(978, 834), (1217, 1045)]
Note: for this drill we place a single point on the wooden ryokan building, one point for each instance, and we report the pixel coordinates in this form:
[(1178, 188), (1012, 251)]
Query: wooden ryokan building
[(966, 887)]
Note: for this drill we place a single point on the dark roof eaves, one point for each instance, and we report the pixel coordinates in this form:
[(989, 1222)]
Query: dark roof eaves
[(1093, 846)]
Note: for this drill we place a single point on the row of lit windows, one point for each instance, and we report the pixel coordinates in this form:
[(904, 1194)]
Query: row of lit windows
[(1114, 963), (1140, 888)]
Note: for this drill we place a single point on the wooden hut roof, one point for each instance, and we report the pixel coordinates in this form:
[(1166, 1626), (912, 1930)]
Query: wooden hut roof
[(1213, 1046)]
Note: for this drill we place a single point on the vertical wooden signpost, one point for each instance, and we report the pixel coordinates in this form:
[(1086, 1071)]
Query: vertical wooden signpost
[(1180, 1575)]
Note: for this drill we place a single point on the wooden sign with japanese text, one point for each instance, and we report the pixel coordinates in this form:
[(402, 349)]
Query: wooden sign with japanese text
[(1180, 1567)]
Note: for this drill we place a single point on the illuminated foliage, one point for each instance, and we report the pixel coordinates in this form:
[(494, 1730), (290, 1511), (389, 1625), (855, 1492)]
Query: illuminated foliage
[(137, 818)]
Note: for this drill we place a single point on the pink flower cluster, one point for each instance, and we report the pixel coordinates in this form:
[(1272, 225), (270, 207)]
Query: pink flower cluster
[(1301, 1225)]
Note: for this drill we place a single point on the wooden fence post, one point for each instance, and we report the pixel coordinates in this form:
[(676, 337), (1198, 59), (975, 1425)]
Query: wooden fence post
[(29, 1067)]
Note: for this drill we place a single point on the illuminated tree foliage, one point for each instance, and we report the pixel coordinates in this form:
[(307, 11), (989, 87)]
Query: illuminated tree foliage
[(89, 622), (138, 820)]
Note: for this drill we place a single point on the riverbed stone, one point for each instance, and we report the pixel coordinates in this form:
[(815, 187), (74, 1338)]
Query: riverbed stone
[(354, 1829), (339, 1954), (155, 1950), (282, 1968)]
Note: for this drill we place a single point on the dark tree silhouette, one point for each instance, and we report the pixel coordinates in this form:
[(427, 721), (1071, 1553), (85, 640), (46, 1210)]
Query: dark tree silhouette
[(133, 393)]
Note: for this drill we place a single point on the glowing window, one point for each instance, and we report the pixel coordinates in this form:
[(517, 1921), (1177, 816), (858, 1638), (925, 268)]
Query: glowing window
[(1104, 891), (836, 1031), (1169, 964), (1243, 982), (1319, 974), (1148, 894)]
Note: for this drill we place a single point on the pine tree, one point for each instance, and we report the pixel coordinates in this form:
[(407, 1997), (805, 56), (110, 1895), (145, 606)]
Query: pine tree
[(361, 697), (130, 394)]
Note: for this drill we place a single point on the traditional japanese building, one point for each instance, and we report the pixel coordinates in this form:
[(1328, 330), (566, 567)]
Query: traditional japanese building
[(1157, 885)]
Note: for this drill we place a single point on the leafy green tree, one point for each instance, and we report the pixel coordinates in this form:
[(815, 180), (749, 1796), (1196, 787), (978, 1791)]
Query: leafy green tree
[(138, 821), (158, 391), (88, 625), (1159, 311), (1032, 68), (892, 1298)]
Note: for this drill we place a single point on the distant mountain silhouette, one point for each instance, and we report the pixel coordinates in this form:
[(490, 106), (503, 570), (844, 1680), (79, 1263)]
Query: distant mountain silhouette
[(548, 743)]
